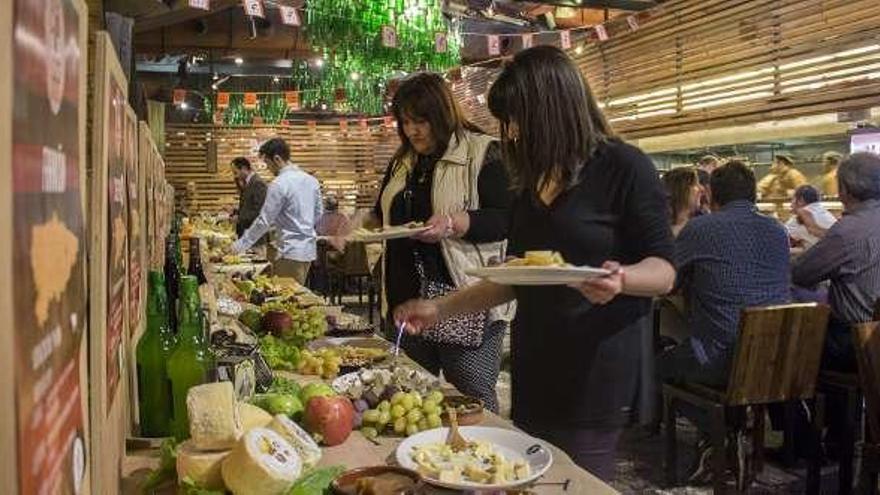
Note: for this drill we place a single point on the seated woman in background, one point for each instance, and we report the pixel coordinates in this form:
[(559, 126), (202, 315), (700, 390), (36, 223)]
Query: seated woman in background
[(685, 192)]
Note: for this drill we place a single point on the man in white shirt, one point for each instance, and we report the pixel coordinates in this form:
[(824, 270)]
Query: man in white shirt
[(807, 198), (293, 204)]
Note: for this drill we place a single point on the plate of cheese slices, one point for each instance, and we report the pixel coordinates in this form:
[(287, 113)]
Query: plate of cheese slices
[(537, 268)]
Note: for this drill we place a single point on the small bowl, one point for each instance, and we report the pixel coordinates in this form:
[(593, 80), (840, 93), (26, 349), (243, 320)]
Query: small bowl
[(470, 409), (345, 483)]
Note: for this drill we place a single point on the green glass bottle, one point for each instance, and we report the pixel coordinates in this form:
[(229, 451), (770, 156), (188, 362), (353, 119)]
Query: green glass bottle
[(152, 353), (191, 363)]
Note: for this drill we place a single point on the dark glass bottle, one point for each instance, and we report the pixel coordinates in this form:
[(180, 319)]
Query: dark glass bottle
[(151, 356), (195, 261), (172, 282)]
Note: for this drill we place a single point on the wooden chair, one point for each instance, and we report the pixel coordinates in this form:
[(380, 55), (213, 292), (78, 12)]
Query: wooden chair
[(846, 385), (776, 360), (866, 339)]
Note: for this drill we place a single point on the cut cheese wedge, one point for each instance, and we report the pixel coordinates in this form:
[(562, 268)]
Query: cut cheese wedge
[(262, 463), (304, 444), (203, 468), (214, 423), (252, 417)]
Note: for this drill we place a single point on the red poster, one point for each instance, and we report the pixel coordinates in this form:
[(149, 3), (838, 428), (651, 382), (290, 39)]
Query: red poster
[(292, 99), (135, 249), (222, 100), (117, 232), (250, 100), (178, 96), (48, 245)]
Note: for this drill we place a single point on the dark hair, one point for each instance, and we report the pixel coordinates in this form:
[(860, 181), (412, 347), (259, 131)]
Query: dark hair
[(558, 120), (733, 181), (426, 96), (275, 147), (703, 177), (679, 183), (859, 176), (807, 193), (241, 162), (709, 160)]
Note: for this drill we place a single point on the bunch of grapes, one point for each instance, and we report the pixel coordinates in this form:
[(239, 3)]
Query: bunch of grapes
[(308, 324), (405, 414), (324, 362)]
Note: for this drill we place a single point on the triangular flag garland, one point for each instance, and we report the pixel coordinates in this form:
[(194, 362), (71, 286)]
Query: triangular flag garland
[(601, 32), (254, 8), (289, 16)]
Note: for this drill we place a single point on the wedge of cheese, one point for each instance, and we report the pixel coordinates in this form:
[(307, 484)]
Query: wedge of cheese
[(203, 468), (252, 417), (304, 444), (262, 463), (214, 423)]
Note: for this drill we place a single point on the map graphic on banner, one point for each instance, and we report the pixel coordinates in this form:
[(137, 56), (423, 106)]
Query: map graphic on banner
[(48, 250)]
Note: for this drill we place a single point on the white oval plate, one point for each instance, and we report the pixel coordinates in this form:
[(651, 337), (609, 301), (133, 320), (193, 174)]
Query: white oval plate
[(512, 444), (537, 275)]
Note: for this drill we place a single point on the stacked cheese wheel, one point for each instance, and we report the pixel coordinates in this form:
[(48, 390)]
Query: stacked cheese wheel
[(239, 447)]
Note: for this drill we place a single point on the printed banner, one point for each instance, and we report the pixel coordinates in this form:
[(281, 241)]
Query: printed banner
[(49, 246), (200, 4), (250, 100), (292, 99), (389, 37), (493, 44), (289, 15), (565, 39), (441, 42), (601, 33), (222, 100), (178, 96), (528, 41), (254, 8), (633, 23)]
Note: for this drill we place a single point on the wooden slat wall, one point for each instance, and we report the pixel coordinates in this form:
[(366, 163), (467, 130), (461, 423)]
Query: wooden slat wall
[(349, 164), (714, 63)]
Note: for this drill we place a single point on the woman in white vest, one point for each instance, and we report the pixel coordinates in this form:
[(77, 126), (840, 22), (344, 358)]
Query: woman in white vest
[(448, 174), (597, 201)]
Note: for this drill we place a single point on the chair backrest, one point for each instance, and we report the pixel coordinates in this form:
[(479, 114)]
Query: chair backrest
[(777, 353), (866, 339)]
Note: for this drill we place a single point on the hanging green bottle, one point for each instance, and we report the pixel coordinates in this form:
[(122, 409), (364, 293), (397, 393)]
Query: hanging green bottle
[(151, 355), (191, 363)]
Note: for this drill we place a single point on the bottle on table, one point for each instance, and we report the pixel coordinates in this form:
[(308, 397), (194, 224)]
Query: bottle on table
[(192, 362), (151, 356), (195, 261), (172, 282)]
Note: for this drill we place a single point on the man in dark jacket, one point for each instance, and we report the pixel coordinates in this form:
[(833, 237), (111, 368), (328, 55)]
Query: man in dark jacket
[(252, 193)]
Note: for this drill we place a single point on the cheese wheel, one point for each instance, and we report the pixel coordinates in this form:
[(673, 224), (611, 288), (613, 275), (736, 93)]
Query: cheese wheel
[(252, 417), (304, 444), (262, 463), (214, 423), (203, 468)]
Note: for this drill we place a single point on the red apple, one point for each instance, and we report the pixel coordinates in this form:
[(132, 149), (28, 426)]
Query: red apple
[(277, 323), (330, 417)]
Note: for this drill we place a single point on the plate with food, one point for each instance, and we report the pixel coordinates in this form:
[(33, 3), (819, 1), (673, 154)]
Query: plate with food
[(354, 352), (537, 268), (379, 234), (469, 410), (494, 459), (376, 384), (377, 479)]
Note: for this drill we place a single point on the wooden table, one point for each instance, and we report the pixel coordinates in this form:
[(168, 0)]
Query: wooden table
[(357, 451)]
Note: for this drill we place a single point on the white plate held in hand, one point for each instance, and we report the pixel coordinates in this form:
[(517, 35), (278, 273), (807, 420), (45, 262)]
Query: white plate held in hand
[(512, 444), (537, 275)]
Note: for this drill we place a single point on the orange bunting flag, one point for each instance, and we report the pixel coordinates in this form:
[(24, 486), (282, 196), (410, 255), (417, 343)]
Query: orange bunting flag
[(292, 99), (250, 100)]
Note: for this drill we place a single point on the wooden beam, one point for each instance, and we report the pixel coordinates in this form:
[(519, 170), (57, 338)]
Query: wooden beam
[(605, 4), (179, 14)]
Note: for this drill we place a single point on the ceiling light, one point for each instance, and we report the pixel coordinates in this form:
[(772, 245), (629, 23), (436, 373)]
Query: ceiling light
[(216, 76), (579, 49), (275, 79), (323, 106), (565, 13), (239, 60), (355, 76), (319, 62), (183, 105), (214, 87)]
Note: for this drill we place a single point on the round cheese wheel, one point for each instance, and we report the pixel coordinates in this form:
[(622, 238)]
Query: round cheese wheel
[(203, 468), (262, 463)]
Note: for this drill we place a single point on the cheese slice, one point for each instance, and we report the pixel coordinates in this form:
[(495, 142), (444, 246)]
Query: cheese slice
[(214, 423), (203, 468), (304, 444), (262, 463), (252, 417)]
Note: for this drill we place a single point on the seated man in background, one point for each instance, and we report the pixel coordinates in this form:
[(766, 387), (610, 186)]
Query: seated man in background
[(333, 224), (782, 179), (807, 198), (727, 261), (848, 255)]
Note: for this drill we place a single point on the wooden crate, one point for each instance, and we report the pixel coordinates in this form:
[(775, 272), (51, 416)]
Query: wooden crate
[(108, 273), (44, 433)]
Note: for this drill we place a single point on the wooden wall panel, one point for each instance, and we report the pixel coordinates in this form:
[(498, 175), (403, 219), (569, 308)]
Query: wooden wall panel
[(698, 64), (349, 164)]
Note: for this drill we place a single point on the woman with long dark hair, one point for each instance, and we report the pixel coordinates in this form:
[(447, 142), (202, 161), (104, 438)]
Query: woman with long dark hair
[(685, 193), (449, 175), (582, 192)]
